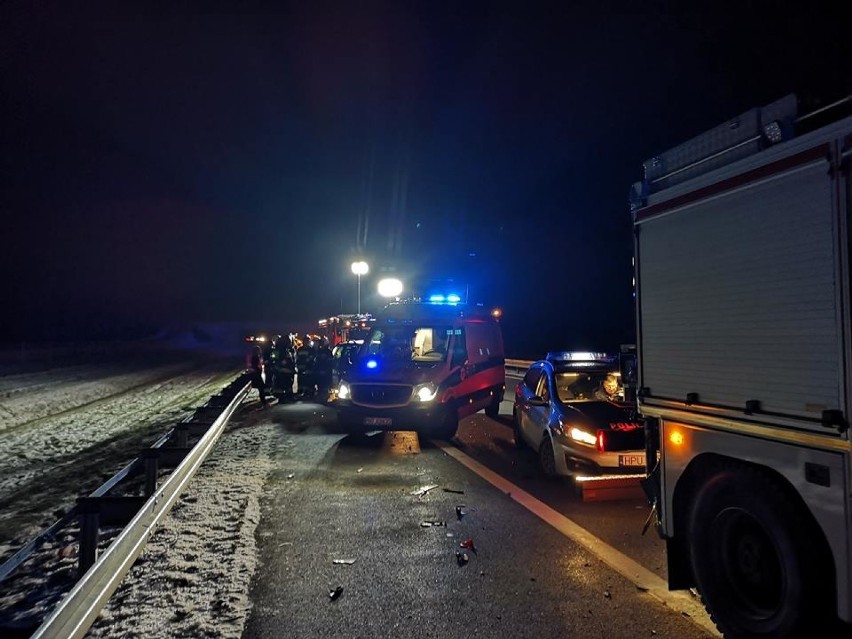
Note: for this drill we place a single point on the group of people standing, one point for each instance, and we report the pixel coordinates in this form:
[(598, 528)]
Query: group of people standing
[(291, 368)]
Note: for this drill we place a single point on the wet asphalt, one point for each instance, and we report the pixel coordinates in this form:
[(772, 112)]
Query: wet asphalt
[(364, 539)]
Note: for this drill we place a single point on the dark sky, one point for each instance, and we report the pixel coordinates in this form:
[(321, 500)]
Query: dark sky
[(222, 162)]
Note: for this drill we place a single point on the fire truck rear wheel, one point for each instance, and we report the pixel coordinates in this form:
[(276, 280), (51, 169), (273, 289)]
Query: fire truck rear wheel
[(760, 564)]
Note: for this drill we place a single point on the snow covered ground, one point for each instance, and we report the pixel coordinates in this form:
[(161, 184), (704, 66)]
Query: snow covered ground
[(69, 422), (194, 575)]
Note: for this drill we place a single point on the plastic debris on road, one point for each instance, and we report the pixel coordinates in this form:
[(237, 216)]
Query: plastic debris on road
[(468, 543), (347, 562), (430, 524), (334, 594), (460, 512), (462, 558), (451, 490), (424, 489)]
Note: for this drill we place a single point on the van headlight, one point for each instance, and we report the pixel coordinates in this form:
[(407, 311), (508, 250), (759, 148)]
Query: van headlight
[(343, 391), (425, 392)]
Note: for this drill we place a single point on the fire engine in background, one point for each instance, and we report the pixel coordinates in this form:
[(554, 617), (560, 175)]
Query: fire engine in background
[(744, 326), (345, 328)]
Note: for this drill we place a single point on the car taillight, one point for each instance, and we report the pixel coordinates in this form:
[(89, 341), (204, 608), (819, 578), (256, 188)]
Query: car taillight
[(601, 441)]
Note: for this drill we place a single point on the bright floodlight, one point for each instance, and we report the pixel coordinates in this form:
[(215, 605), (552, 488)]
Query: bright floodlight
[(390, 287), (359, 269)]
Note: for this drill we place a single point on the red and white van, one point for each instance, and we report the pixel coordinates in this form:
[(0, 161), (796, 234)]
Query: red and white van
[(422, 367)]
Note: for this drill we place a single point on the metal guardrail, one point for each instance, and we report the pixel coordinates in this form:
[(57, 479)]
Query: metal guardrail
[(78, 610), (518, 365)]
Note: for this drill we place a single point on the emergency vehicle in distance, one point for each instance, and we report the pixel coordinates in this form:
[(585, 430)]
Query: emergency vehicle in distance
[(422, 367), (352, 327), (744, 327)]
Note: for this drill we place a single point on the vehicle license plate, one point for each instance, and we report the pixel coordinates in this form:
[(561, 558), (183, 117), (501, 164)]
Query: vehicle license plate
[(631, 460), (379, 421)]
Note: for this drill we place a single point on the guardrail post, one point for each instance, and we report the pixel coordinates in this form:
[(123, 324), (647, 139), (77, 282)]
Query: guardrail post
[(90, 525), (152, 470), (181, 435)]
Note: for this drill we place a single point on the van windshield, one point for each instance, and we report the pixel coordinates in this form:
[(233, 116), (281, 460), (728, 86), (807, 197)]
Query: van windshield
[(410, 343)]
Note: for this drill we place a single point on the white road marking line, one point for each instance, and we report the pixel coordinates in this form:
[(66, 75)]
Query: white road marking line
[(643, 578)]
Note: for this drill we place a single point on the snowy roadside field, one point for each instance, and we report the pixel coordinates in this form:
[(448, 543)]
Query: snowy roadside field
[(193, 578), (66, 426)]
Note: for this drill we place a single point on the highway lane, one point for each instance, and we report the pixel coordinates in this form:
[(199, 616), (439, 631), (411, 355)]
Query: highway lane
[(332, 498), (619, 523)]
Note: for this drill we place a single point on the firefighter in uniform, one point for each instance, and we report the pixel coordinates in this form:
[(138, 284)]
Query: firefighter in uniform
[(254, 367)]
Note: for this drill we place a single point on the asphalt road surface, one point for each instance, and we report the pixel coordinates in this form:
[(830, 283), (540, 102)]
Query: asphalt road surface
[(398, 536)]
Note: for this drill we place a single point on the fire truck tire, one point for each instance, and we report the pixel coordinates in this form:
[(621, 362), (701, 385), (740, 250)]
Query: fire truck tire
[(760, 563)]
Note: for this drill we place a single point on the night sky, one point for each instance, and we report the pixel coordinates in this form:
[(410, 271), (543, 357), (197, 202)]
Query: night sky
[(227, 162)]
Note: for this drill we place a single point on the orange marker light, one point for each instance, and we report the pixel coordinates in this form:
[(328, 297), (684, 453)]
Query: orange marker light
[(676, 437)]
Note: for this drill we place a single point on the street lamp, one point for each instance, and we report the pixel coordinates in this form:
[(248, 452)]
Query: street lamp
[(359, 269)]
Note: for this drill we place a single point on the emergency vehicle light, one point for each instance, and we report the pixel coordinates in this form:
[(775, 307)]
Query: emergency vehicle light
[(772, 132), (578, 356)]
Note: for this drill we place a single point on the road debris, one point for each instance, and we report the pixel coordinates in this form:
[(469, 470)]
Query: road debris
[(451, 490), (348, 562), (460, 512), (334, 594), (290, 476), (430, 524), (424, 489), (69, 552), (462, 558), (468, 543)]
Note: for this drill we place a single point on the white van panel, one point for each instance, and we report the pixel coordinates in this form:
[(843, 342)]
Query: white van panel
[(745, 309)]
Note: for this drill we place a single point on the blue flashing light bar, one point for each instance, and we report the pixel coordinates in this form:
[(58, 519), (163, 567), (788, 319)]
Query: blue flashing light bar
[(579, 356), (371, 363), (439, 298)]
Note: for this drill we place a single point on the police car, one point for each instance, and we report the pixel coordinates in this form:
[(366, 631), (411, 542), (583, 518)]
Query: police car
[(570, 410)]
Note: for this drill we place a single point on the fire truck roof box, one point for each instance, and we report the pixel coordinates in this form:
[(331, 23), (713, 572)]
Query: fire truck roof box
[(736, 138)]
